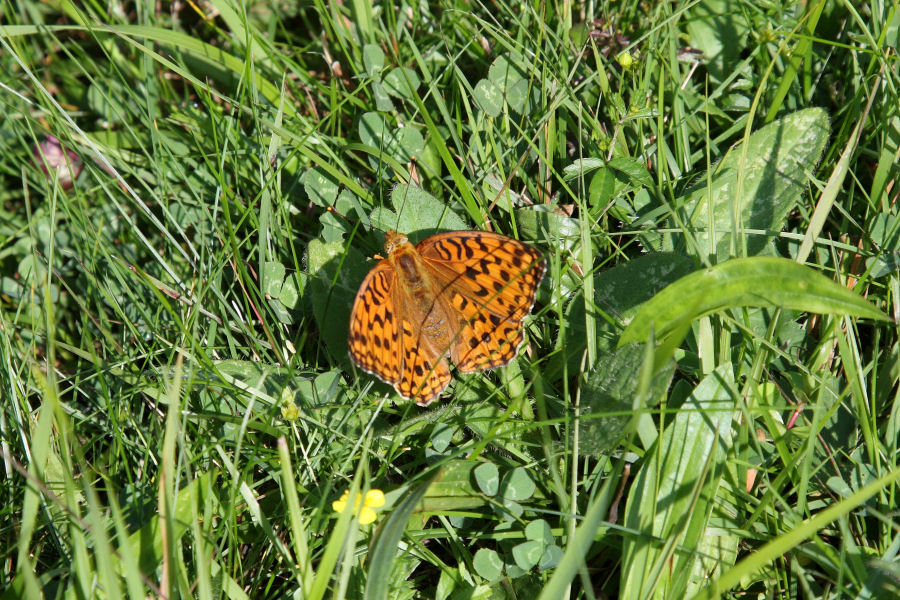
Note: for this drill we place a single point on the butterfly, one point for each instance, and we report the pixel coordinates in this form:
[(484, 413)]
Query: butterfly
[(460, 295)]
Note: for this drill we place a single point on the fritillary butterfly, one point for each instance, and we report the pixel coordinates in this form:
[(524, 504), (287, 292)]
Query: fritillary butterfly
[(460, 295)]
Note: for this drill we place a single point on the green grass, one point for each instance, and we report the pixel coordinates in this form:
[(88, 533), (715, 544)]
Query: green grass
[(179, 411)]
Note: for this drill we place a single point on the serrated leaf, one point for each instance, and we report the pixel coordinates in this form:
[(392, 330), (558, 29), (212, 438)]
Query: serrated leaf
[(582, 167), (320, 186), (884, 264), (885, 231), (630, 172), (760, 281)]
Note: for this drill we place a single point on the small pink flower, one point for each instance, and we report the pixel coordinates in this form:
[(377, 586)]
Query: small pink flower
[(64, 165)]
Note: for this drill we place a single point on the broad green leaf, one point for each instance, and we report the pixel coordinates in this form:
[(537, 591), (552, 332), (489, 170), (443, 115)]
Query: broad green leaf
[(335, 274), (527, 554), (760, 281), (602, 188), (618, 293), (146, 542), (539, 531), (387, 140), (509, 73), (510, 510), (421, 214), (383, 100), (757, 194), (320, 186), (714, 30), (410, 143), (886, 231), (884, 264), (272, 278), (488, 97), (487, 476), (281, 292), (551, 557), (517, 485), (401, 82), (454, 489), (373, 59), (488, 564), (441, 437), (608, 398), (672, 497), (582, 167), (507, 83), (109, 100), (373, 130), (387, 537)]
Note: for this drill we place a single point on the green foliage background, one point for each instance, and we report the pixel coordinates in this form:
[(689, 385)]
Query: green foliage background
[(707, 403)]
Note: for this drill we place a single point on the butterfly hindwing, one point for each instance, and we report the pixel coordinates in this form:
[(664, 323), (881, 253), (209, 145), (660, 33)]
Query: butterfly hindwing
[(425, 372)]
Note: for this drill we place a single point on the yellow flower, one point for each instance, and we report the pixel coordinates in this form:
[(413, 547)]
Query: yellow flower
[(373, 499)]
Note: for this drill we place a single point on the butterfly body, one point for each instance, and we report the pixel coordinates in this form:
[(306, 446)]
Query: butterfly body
[(460, 295), (415, 283)]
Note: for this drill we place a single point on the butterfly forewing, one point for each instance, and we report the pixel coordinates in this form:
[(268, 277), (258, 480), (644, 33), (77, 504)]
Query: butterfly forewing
[(499, 273), (375, 325), (490, 281)]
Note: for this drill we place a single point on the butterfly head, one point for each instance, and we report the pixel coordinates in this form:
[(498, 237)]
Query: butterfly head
[(393, 240)]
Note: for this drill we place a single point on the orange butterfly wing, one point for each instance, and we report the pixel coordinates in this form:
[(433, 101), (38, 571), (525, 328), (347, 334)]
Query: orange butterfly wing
[(483, 286), (490, 280), (375, 326), (385, 342)]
